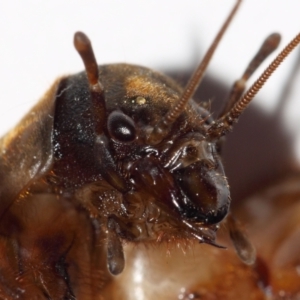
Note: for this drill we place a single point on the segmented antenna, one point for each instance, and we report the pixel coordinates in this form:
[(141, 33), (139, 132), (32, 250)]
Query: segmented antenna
[(225, 123), (163, 127), (269, 45), (84, 48)]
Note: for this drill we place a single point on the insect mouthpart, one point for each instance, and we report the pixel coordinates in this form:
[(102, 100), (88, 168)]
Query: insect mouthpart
[(207, 193), (199, 174)]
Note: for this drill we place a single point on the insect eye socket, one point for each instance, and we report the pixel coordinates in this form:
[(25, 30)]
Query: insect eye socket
[(121, 127)]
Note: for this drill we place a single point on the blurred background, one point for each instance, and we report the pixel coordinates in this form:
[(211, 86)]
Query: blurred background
[(36, 46)]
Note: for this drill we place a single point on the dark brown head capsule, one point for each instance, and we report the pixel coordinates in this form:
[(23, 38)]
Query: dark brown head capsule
[(135, 139), (135, 151)]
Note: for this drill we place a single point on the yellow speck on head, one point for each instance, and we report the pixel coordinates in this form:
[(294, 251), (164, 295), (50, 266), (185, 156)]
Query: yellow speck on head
[(140, 100), (140, 88)]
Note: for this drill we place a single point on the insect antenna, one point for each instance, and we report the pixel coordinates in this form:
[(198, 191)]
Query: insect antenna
[(84, 48), (225, 123), (269, 45), (98, 111), (289, 84), (163, 127)]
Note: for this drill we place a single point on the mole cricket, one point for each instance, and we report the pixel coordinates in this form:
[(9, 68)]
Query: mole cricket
[(112, 187)]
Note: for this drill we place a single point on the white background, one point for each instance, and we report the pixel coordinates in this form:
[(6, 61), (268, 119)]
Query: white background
[(36, 42)]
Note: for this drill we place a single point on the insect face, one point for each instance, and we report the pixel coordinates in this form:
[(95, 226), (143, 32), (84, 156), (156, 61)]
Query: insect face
[(177, 174), (117, 157)]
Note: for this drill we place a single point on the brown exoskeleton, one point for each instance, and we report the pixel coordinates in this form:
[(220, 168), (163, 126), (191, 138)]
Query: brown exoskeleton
[(112, 159)]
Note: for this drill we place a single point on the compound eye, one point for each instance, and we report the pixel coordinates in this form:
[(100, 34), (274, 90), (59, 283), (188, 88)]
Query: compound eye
[(121, 127)]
